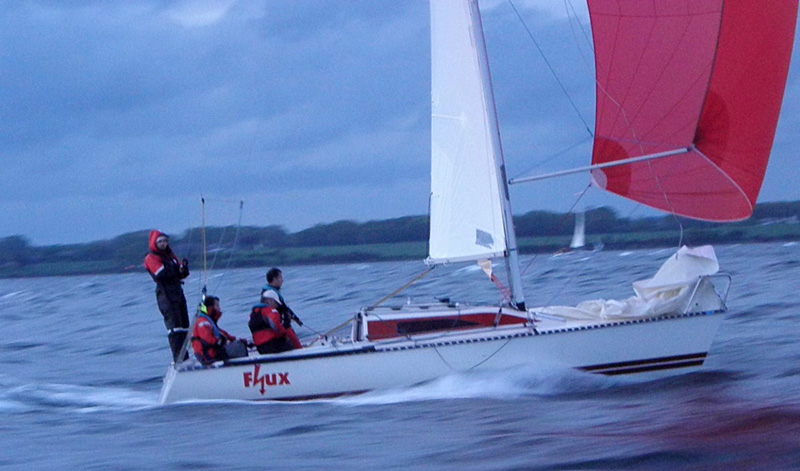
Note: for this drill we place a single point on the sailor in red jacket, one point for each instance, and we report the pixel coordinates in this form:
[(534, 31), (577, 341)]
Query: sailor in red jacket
[(167, 272), (211, 343), (272, 333)]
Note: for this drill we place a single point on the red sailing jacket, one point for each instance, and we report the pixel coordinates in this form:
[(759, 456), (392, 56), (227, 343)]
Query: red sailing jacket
[(265, 324), (163, 266), (208, 340)]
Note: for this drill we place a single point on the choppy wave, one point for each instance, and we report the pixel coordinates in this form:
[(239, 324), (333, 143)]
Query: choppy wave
[(28, 397), (92, 367)]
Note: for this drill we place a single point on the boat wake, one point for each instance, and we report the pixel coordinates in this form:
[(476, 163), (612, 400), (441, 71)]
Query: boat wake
[(502, 385), (17, 397)]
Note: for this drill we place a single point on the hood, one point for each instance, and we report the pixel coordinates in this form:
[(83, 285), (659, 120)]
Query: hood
[(155, 234)]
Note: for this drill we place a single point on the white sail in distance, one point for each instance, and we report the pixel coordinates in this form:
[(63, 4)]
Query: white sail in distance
[(579, 234)]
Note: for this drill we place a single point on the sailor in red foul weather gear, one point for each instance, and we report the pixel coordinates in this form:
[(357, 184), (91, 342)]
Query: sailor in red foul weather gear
[(209, 342), (167, 271), (272, 332)]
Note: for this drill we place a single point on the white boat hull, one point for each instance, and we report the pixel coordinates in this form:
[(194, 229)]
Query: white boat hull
[(654, 347)]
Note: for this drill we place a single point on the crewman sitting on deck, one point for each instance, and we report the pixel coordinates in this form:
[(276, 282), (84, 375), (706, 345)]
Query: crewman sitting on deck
[(209, 342), (272, 332)]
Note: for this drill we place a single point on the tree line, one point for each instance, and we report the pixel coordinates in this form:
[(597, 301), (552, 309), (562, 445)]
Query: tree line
[(337, 241)]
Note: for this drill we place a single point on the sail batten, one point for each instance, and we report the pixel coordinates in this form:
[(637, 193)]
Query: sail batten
[(708, 75)]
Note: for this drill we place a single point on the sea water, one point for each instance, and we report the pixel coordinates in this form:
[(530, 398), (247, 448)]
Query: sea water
[(83, 358)]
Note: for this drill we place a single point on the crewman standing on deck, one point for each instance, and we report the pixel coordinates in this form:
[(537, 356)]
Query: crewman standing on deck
[(168, 272)]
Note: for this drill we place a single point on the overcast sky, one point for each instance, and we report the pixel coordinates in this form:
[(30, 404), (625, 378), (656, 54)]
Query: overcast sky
[(117, 116)]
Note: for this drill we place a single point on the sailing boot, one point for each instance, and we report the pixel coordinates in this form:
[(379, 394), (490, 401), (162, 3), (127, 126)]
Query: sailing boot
[(177, 337)]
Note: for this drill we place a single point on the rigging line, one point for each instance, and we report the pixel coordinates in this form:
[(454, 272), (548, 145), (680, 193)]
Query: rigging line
[(490, 356), (219, 246), (334, 329), (548, 159), (662, 189), (402, 288), (222, 200), (407, 335), (436, 349), (222, 237), (417, 278), (638, 142), (187, 245), (560, 291), (568, 5), (203, 225), (235, 243), (668, 202), (313, 331), (653, 173), (562, 222), (428, 241), (549, 66), (530, 263)]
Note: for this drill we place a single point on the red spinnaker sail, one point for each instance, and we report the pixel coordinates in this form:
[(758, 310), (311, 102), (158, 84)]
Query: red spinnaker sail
[(708, 75)]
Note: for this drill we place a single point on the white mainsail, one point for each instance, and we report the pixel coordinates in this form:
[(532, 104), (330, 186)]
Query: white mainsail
[(466, 205)]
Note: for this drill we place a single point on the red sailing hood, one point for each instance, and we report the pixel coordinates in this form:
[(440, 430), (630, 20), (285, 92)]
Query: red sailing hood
[(155, 234)]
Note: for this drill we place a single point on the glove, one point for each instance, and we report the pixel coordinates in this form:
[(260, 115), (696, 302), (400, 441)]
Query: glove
[(297, 319), (184, 269)]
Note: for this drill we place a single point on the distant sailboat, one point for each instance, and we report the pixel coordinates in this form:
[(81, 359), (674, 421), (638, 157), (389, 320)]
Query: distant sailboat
[(578, 241), (688, 98)]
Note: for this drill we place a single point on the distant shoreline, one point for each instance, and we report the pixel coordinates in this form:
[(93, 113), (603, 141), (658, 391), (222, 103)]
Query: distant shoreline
[(415, 250)]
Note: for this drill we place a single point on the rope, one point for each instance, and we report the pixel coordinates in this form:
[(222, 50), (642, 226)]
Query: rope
[(436, 349), (203, 226), (330, 331), (546, 160), (394, 293), (235, 243), (549, 66), (402, 288), (204, 279), (561, 223), (569, 7)]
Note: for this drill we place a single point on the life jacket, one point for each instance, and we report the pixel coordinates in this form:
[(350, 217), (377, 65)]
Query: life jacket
[(205, 351), (275, 290), (265, 324), (168, 263)]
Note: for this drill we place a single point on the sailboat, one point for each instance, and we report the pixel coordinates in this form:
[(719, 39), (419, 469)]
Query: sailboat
[(688, 98), (578, 241)]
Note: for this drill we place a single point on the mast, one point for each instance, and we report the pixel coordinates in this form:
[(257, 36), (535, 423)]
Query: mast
[(511, 255)]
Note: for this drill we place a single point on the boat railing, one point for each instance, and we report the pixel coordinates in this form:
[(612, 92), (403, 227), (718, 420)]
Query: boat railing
[(722, 294)]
